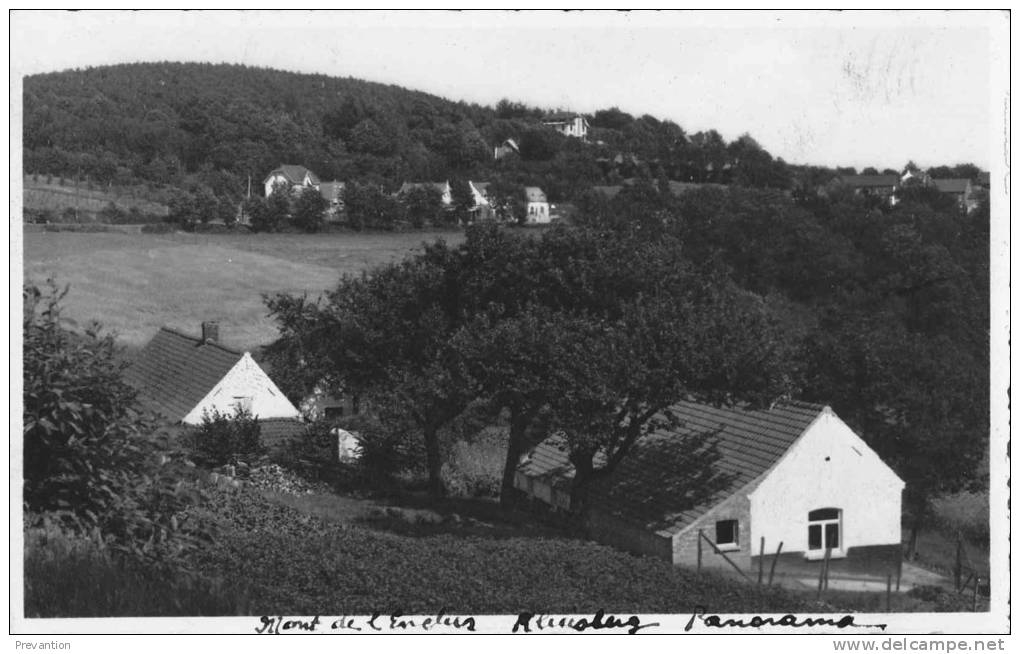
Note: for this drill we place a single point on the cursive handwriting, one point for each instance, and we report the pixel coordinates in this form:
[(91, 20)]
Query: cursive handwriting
[(788, 620), (276, 624), (526, 621)]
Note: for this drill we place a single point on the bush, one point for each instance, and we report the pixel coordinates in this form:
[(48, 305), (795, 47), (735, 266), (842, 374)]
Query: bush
[(227, 439), (91, 462), (69, 576)]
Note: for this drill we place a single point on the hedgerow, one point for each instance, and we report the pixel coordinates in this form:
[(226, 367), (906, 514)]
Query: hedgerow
[(300, 564)]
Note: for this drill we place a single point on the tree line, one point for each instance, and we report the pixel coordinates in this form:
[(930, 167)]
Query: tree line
[(725, 296)]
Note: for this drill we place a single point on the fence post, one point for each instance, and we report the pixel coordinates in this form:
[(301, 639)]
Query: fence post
[(977, 582), (888, 593), (772, 570), (821, 579), (700, 536), (761, 561), (899, 570)]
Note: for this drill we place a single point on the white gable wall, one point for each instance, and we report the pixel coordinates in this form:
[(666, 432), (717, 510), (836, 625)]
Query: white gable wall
[(245, 380), (828, 466)]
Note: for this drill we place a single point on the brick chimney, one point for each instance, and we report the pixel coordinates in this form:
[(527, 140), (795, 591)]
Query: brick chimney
[(210, 331)]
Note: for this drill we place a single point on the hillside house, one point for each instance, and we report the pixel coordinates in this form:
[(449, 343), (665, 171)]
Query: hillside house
[(883, 186), (442, 187), (960, 190), (568, 124), (292, 176), (180, 377), (333, 193), (536, 205), (505, 149), (793, 474)]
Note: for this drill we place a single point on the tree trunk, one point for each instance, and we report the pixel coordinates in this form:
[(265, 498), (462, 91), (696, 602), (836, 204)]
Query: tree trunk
[(435, 463), (915, 528), (584, 469), (518, 425)]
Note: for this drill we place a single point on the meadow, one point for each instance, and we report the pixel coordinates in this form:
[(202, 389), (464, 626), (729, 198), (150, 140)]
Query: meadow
[(136, 283)]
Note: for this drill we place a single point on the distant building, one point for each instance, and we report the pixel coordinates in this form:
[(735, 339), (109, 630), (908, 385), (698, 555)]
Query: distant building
[(960, 189), (883, 186), (568, 124), (442, 187), (293, 176), (333, 193), (536, 205), (505, 149)]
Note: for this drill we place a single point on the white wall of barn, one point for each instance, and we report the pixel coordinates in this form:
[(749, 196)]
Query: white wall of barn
[(246, 383), (829, 466)]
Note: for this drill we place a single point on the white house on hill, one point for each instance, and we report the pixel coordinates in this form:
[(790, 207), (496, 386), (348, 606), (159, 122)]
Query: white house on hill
[(794, 474), (567, 124), (536, 205), (291, 176)]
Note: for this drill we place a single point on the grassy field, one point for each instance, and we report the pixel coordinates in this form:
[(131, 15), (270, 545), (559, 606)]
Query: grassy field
[(135, 283)]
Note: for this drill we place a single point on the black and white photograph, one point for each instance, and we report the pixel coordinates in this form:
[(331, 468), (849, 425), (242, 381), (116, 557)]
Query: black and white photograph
[(346, 322)]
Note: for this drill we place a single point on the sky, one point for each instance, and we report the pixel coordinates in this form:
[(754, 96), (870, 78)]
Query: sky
[(826, 88)]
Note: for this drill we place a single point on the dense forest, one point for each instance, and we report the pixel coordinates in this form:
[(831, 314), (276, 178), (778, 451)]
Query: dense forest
[(202, 125)]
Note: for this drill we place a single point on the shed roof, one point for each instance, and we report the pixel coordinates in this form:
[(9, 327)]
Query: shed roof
[(953, 185), (175, 371), (645, 489)]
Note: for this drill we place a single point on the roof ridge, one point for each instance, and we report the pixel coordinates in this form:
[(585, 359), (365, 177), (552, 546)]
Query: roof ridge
[(198, 340)]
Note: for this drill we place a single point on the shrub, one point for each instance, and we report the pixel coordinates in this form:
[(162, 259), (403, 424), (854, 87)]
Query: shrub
[(90, 461), (70, 576), (224, 438)]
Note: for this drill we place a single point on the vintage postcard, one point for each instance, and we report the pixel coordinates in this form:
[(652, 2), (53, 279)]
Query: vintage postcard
[(491, 322)]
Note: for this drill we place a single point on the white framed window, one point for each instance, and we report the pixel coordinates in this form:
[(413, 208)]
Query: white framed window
[(727, 534), (825, 531)]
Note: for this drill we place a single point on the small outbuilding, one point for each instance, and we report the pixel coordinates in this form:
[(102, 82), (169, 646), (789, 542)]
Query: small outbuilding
[(793, 474)]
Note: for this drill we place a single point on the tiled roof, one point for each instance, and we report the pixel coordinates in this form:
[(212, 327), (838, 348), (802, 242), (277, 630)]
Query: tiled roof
[(561, 117), (958, 185), (869, 181), (984, 179), (644, 489), (294, 174), (175, 371), (534, 194)]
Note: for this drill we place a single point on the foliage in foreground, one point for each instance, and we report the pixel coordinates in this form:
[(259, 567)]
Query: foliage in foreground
[(90, 461), (300, 564), (68, 576)]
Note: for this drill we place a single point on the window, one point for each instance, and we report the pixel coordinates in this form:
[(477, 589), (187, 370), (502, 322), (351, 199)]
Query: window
[(727, 535), (824, 530), (243, 402)]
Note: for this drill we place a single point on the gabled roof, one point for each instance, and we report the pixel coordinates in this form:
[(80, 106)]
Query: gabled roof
[(174, 372), (294, 174), (869, 181), (643, 488), (534, 194), (955, 185)]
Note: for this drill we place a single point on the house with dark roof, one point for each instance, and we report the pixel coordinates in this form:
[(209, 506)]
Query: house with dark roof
[(883, 186), (181, 377), (960, 189), (505, 149), (794, 475)]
